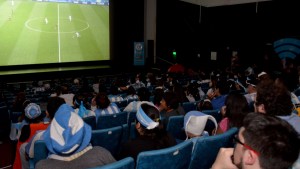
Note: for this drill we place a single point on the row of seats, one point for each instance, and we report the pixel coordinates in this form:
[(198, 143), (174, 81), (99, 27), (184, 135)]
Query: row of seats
[(200, 153)]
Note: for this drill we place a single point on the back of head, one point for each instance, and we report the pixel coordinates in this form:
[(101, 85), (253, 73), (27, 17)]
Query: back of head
[(53, 104), (274, 139), (171, 100), (236, 109), (205, 105), (143, 94), (67, 133), (102, 100), (275, 98), (148, 116), (195, 122)]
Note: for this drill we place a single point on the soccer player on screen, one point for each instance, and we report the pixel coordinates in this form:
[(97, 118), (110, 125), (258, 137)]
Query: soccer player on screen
[(70, 18), (46, 20)]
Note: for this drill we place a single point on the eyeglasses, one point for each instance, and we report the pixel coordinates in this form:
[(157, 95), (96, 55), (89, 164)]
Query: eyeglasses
[(245, 145)]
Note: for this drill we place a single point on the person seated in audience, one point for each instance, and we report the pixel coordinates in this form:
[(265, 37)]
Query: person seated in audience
[(27, 149), (251, 83), (63, 92), (151, 134), (131, 94), (212, 88), (114, 94), (180, 93), (204, 105), (81, 106), (68, 142), (143, 95), (192, 93), (104, 106), (33, 122), (263, 142), (275, 99), (157, 97), (195, 122), (222, 89), (169, 106), (235, 109)]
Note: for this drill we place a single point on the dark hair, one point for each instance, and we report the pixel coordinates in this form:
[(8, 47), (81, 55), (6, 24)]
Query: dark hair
[(158, 95), (143, 94), (171, 100), (53, 104), (78, 98), (131, 90), (158, 134), (205, 105), (275, 98), (102, 100), (275, 140), (236, 109)]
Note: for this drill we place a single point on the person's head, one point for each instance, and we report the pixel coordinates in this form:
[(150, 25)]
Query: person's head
[(68, 134), (169, 101), (33, 113), (273, 99), (148, 121), (158, 95), (131, 91), (102, 100), (78, 99), (205, 105), (143, 94), (251, 85), (236, 109), (53, 104), (195, 122), (266, 142)]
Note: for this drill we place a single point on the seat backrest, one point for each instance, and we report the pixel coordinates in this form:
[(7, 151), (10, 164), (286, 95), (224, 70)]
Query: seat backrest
[(109, 138), (111, 120), (125, 163), (189, 106), (175, 127), (206, 149), (122, 104), (175, 157), (40, 153), (214, 113), (90, 120)]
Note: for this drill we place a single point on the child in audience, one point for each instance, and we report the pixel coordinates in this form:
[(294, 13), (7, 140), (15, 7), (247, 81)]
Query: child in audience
[(33, 122)]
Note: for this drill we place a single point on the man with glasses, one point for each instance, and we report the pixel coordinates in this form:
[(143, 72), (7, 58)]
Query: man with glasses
[(263, 142)]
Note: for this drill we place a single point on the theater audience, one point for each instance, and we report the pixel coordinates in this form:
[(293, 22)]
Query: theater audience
[(263, 141)]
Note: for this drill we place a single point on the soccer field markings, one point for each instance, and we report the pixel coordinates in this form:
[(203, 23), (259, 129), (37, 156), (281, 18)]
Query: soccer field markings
[(27, 25)]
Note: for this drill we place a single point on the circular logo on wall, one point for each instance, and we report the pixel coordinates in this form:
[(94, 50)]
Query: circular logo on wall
[(139, 46)]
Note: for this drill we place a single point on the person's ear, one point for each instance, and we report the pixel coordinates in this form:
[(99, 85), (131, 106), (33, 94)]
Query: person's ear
[(137, 125), (250, 158)]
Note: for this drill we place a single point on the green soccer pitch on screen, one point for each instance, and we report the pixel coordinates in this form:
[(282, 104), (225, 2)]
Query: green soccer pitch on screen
[(37, 32)]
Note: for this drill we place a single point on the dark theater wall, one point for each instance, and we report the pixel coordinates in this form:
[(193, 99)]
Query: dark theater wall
[(245, 28)]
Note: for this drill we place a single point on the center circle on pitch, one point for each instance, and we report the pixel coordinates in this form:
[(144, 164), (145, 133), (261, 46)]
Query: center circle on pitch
[(53, 25)]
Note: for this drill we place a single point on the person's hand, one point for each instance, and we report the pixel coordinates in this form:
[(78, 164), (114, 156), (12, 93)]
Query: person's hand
[(224, 159), (223, 111)]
